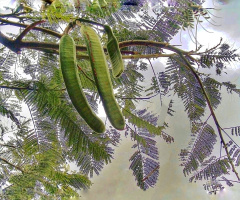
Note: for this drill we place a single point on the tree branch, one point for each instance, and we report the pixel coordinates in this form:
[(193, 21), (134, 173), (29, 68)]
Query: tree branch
[(15, 88), (13, 14), (44, 30), (16, 46), (26, 30), (7, 145), (15, 166)]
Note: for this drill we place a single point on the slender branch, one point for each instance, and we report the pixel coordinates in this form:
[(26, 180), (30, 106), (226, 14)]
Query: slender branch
[(27, 29), (44, 30), (220, 149), (142, 43), (13, 14), (53, 48), (230, 127), (15, 166), (230, 181), (43, 47), (7, 145), (89, 21), (211, 49), (230, 138), (162, 45), (15, 88), (147, 56), (89, 78), (137, 98), (26, 88), (42, 194)]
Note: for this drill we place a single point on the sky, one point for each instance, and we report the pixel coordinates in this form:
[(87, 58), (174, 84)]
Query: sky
[(116, 181)]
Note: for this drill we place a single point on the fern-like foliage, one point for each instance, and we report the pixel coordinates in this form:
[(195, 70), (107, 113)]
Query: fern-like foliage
[(187, 88), (36, 165), (218, 57), (144, 161), (128, 86), (4, 111), (56, 11), (48, 103), (7, 60), (201, 148), (234, 148), (35, 157), (160, 84), (213, 170), (141, 123), (212, 88), (231, 87)]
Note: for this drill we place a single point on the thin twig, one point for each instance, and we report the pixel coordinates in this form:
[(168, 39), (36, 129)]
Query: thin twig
[(230, 138), (11, 164), (151, 173), (44, 30), (15, 88), (80, 69), (137, 98), (13, 14)]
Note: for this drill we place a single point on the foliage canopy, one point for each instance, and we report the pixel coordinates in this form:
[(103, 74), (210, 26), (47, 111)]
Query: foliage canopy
[(36, 149)]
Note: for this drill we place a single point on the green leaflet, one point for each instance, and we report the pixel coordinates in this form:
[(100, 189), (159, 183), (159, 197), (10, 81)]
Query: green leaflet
[(102, 77), (67, 52), (96, 8), (102, 3), (114, 53), (142, 123)]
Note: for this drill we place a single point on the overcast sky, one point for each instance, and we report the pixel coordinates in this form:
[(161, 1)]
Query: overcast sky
[(116, 181)]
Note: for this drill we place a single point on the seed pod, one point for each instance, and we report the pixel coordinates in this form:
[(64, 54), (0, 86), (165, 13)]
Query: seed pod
[(67, 52), (102, 77), (114, 53)]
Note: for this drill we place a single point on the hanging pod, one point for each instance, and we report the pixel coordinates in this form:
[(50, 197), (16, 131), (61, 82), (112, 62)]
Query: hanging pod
[(102, 77), (67, 52), (114, 53)]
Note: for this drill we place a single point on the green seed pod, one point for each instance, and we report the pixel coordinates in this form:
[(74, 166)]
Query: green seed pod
[(114, 53), (67, 52), (102, 77)]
